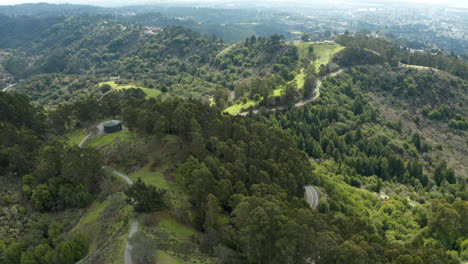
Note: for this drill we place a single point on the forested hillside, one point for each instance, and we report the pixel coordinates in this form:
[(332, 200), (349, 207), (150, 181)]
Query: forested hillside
[(174, 60), (219, 141)]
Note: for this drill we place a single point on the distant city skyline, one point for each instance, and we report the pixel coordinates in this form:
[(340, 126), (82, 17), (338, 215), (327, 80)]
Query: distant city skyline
[(447, 3)]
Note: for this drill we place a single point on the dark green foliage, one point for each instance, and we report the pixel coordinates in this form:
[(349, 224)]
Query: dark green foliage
[(176, 60), (66, 177), (455, 66), (21, 128), (146, 198), (442, 173), (43, 242), (365, 45), (13, 253), (357, 56), (448, 221), (16, 31), (70, 251), (244, 176), (290, 94), (253, 174), (310, 82), (392, 54), (459, 122)]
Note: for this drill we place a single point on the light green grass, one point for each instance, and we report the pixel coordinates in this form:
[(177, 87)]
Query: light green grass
[(237, 108), (108, 138), (164, 258), (150, 93), (75, 137), (92, 225), (299, 79), (151, 177), (323, 52), (170, 224), (94, 211)]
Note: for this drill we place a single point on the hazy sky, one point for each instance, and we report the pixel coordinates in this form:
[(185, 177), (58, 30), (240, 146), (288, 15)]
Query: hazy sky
[(448, 3)]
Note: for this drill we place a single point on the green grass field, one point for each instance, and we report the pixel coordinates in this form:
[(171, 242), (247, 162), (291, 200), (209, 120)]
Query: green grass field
[(299, 79), (170, 224), (92, 225), (237, 108), (165, 258), (151, 177), (323, 52), (150, 93), (94, 211), (75, 137), (108, 138)]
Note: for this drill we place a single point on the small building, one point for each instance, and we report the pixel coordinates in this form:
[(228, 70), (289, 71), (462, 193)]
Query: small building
[(112, 126)]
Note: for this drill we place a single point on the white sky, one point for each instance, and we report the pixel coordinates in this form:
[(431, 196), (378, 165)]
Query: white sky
[(448, 3)]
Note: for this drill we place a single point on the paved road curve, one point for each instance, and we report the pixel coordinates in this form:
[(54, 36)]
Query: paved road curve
[(121, 175), (312, 196), (301, 102), (8, 87), (128, 247), (135, 224)]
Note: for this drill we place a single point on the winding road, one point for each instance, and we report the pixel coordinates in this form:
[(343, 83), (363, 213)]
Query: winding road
[(312, 196), (135, 223), (8, 87), (128, 247), (301, 102)]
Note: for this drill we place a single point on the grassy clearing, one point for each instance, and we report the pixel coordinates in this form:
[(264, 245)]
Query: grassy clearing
[(299, 79), (322, 51), (75, 137), (170, 224), (105, 224), (164, 258), (237, 108), (323, 55), (109, 138), (150, 93), (94, 211), (151, 177)]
